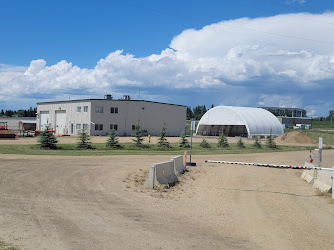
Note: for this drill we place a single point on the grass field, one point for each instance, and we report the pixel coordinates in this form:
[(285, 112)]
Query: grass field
[(322, 125), (328, 136), (129, 149)]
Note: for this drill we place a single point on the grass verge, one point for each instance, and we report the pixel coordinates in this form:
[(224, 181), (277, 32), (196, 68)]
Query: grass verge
[(129, 149), (7, 246), (328, 136)]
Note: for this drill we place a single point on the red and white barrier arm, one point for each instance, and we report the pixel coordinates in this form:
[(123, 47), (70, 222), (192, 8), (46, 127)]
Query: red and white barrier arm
[(269, 165)]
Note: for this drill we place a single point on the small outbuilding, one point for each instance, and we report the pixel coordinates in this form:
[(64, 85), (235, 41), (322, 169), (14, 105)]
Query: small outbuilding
[(239, 121)]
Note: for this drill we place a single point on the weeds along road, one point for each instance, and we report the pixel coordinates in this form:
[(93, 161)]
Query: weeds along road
[(96, 203)]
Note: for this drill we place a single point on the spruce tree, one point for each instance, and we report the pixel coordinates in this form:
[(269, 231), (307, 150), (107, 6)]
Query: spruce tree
[(112, 141), (240, 144), (183, 141), (162, 141), (84, 140), (270, 141), (138, 134), (204, 144), (47, 139), (257, 143), (222, 142)]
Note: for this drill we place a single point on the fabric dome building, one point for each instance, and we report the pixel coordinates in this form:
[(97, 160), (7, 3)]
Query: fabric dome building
[(239, 121)]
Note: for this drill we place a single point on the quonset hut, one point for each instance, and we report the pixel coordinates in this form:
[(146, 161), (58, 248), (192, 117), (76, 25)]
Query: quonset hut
[(239, 121)]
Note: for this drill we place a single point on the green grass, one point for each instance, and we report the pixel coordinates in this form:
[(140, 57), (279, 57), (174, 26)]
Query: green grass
[(328, 136), (129, 149), (6, 246), (322, 125)]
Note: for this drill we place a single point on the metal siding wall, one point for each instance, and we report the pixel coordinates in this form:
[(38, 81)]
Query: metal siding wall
[(72, 116), (151, 116)]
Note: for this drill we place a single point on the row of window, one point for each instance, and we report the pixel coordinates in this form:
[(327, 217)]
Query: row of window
[(113, 110), (100, 126), (85, 109), (84, 126)]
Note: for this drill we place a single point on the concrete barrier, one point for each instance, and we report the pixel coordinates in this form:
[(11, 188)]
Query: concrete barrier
[(179, 164), (323, 182), (162, 173), (320, 179), (308, 175)]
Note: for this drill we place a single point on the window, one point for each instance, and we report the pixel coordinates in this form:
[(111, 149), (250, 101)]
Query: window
[(98, 126), (85, 108), (78, 126), (79, 109), (133, 127), (99, 109), (113, 126), (85, 126), (114, 110)]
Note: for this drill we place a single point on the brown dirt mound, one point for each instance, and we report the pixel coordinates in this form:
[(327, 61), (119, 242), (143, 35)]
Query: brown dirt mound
[(295, 137)]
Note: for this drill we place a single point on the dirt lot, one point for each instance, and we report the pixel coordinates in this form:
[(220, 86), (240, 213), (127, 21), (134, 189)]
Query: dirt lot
[(95, 203)]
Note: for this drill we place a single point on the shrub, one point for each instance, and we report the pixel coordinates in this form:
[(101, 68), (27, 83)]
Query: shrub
[(257, 143), (112, 141), (47, 139), (183, 141), (240, 144), (84, 140), (270, 141), (222, 142), (138, 134), (204, 144), (162, 141)]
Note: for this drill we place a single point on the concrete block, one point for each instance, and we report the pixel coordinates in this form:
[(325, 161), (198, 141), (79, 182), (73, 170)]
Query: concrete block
[(160, 174), (178, 164), (323, 182), (308, 175), (320, 179)]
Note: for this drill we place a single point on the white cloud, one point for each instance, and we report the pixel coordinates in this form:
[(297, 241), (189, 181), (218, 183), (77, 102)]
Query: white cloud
[(293, 1), (242, 52), (283, 101)]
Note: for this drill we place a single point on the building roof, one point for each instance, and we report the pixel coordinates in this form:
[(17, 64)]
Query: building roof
[(108, 100), (258, 121), (28, 121), (281, 108)]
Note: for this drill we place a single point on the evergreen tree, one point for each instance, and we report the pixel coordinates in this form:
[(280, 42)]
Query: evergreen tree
[(138, 134), (204, 144), (270, 141), (240, 144), (222, 142), (189, 113), (183, 141), (2, 112), (84, 140), (112, 141), (162, 141), (257, 143), (47, 139)]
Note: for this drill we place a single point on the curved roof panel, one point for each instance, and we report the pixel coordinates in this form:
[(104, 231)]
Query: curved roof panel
[(257, 121)]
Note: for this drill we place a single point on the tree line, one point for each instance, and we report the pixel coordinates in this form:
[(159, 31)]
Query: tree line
[(31, 112), (197, 112)]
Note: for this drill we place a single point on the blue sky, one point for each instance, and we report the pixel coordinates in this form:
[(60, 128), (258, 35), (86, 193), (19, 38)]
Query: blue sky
[(244, 52)]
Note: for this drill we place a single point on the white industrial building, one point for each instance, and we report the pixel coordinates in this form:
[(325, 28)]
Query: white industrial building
[(98, 116), (239, 121)]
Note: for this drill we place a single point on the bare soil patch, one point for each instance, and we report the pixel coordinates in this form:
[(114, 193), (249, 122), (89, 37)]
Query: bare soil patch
[(63, 202), (295, 138)]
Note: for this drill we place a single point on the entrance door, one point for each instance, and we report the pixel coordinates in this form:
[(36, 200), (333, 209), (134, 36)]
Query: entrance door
[(60, 122), (43, 120)]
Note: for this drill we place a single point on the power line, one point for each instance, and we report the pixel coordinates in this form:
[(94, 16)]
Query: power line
[(233, 26)]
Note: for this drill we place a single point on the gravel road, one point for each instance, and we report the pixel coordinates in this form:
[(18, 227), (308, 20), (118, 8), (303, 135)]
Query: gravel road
[(95, 203)]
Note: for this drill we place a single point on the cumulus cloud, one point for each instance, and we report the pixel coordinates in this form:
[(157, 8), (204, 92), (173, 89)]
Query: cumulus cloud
[(291, 51), (283, 101)]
